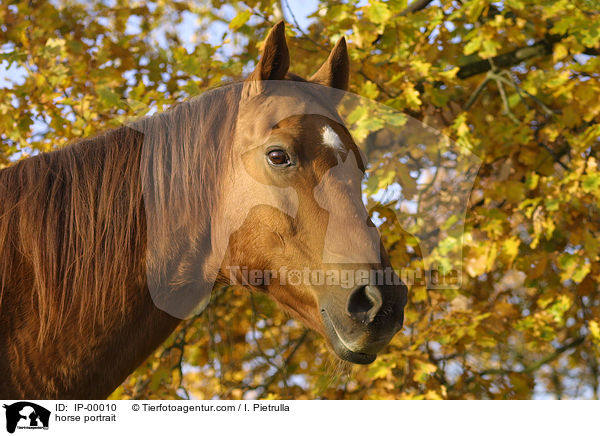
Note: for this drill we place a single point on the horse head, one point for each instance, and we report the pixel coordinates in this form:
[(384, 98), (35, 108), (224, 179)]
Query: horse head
[(294, 224)]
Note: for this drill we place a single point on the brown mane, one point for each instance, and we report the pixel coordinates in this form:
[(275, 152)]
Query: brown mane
[(74, 218)]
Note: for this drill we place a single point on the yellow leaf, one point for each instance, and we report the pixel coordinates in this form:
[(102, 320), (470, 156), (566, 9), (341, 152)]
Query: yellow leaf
[(423, 370), (594, 328), (559, 52)]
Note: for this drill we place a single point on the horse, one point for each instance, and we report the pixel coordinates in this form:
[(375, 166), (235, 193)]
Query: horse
[(87, 232)]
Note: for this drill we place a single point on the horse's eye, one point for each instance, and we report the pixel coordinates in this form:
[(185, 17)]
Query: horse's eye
[(278, 158)]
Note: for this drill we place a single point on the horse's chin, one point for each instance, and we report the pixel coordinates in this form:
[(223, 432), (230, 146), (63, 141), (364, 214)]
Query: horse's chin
[(342, 351)]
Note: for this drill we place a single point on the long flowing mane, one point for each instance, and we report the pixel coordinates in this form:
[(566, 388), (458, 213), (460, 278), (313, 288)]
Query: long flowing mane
[(73, 221)]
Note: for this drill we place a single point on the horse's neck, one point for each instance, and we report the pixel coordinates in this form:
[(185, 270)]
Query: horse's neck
[(82, 355)]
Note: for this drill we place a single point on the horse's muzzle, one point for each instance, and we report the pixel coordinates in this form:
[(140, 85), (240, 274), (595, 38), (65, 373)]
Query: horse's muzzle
[(366, 321)]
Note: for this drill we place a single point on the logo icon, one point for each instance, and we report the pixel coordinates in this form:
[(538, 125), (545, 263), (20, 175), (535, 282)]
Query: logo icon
[(26, 415)]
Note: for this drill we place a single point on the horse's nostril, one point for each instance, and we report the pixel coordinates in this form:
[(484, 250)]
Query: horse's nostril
[(363, 303)]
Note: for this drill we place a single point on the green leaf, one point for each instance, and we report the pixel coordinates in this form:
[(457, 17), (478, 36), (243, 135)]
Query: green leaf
[(558, 309), (240, 19), (381, 368), (591, 182), (552, 204), (108, 97), (378, 12)]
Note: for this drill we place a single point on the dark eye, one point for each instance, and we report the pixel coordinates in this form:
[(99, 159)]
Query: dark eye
[(278, 158)]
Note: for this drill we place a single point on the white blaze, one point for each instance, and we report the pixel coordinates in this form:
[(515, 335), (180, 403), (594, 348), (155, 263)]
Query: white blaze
[(331, 139)]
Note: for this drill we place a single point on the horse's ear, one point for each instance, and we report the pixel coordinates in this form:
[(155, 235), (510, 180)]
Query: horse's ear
[(335, 72), (274, 62)]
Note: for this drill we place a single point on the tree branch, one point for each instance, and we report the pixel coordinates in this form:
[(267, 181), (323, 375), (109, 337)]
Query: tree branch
[(540, 48), (415, 6), (297, 26), (535, 365), (557, 353)]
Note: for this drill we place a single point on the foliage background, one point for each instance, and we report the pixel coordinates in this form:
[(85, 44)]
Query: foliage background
[(516, 81)]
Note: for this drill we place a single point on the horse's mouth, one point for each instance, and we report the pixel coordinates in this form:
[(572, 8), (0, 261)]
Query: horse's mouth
[(340, 348)]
